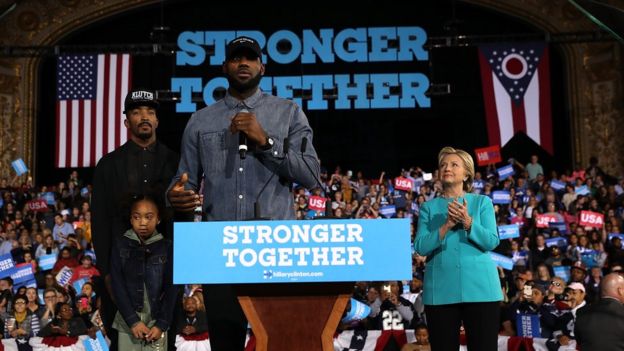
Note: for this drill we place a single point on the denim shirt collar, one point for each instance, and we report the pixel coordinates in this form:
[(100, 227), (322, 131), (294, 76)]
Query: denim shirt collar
[(250, 102)]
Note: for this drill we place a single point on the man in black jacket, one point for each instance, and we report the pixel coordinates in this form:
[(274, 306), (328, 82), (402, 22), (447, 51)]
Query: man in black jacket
[(600, 326), (141, 166)]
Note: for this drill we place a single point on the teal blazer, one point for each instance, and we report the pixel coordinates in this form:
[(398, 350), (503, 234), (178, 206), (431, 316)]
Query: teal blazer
[(459, 267)]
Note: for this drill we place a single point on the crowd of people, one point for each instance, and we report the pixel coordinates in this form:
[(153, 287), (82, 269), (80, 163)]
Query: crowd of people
[(556, 270)]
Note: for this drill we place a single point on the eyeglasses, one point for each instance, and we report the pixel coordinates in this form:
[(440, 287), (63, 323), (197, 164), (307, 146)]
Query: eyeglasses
[(49, 297), (555, 283), (20, 303)]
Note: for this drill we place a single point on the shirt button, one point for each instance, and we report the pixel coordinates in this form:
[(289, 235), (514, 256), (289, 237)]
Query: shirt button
[(240, 169), (144, 180), (275, 153), (145, 165), (240, 196)]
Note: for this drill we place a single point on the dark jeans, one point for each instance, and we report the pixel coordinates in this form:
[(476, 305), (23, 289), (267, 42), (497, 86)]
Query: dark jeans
[(481, 323)]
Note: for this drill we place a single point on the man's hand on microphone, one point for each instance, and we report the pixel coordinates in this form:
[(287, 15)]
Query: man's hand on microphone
[(183, 200), (247, 123)]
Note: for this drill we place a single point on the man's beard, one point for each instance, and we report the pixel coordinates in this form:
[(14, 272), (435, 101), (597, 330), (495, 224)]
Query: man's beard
[(243, 87), (143, 135)]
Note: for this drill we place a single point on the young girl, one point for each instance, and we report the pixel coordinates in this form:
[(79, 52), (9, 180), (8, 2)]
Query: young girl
[(142, 279)]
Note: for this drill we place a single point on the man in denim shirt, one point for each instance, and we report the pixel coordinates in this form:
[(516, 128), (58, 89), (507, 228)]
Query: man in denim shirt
[(274, 129)]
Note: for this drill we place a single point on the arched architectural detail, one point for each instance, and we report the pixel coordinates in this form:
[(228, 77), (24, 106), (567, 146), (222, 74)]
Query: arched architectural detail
[(594, 78)]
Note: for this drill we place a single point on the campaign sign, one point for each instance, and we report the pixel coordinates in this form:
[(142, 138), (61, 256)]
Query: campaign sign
[(291, 251), (502, 261), (488, 155), (23, 272), (357, 312), (37, 205), (581, 190), (19, 166), (589, 258), (64, 275), (543, 220), (7, 267), (46, 262), (562, 272), (501, 197), (528, 325), (388, 211), (317, 203), (508, 231), (78, 284), (49, 198), (558, 241), (97, 344), (591, 219), (505, 172), (402, 183), (557, 185)]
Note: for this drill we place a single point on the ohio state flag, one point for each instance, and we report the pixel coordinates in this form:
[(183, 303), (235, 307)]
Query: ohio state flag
[(516, 92)]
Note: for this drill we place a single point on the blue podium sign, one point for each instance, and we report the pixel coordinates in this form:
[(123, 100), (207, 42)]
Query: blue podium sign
[(291, 251)]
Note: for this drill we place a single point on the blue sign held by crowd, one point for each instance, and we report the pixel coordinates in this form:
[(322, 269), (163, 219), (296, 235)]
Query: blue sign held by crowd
[(388, 211), (505, 172), (502, 261), (7, 267), (78, 284), (19, 166), (528, 325), (557, 185), (357, 312), (46, 262), (97, 344), (562, 272), (22, 273), (49, 198), (557, 241), (501, 197), (508, 231), (581, 190)]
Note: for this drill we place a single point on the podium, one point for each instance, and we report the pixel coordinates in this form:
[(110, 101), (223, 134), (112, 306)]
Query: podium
[(293, 279), (273, 310)]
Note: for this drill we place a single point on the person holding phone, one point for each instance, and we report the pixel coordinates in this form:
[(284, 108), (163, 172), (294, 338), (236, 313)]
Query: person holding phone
[(457, 231)]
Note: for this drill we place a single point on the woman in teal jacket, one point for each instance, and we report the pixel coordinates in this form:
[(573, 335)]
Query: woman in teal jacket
[(456, 232)]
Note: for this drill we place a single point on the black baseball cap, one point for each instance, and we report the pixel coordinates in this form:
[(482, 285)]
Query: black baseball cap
[(140, 97), (242, 43)]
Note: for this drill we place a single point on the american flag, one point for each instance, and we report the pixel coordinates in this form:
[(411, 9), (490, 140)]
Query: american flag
[(516, 90), (89, 104)]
